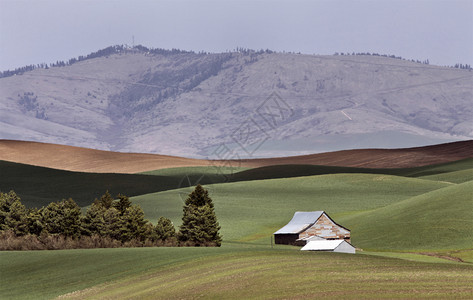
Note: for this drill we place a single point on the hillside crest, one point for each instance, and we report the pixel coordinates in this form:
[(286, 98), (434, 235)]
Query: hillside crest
[(190, 104)]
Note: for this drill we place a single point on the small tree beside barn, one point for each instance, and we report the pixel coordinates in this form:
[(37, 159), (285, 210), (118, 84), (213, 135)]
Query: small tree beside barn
[(199, 222)]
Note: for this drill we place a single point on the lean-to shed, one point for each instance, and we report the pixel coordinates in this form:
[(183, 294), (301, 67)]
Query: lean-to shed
[(310, 225), (340, 246)]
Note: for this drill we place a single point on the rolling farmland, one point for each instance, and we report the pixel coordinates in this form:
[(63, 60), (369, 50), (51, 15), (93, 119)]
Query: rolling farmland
[(412, 227)]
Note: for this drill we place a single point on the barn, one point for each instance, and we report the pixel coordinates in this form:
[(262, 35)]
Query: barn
[(307, 226), (340, 246)]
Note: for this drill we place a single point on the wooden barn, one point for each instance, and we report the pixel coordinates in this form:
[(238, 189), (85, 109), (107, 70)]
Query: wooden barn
[(306, 226)]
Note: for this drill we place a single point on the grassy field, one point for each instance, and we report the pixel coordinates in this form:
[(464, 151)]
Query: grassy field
[(37, 186), (441, 220), (287, 171), (232, 271), (253, 210), (284, 274), (453, 177), (428, 210)]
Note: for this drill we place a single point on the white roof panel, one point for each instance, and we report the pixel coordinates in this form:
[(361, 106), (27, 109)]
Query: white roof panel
[(322, 245), (300, 221)]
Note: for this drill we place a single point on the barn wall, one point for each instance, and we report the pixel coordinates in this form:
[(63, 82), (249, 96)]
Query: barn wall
[(325, 228), (285, 239)]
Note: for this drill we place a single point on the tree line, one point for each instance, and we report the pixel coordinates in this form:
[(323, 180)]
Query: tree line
[(425, 62), (116, 49), (107, 223)]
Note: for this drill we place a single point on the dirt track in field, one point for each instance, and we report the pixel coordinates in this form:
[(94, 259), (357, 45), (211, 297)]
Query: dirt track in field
[(89, 160)]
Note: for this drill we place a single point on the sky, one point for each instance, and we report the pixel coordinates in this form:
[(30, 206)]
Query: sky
[(37, 31)]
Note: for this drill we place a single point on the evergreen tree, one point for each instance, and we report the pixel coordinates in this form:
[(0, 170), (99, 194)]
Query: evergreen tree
[(199, 222), (119, 220), (33, 221), (122, 204), (164, 229), (106, 201), (133, 224), (112, 225), (93, 221), (12, 213), (63, 217)]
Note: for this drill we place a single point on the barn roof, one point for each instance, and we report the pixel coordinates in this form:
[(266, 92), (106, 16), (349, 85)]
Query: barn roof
[(322, 245), (300, 221)]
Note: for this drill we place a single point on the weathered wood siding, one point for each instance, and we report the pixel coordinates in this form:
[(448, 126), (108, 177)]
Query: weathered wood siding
[(325, 228)]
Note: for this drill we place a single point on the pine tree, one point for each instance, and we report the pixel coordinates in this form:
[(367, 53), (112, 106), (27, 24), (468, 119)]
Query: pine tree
[(12, 213), (122, 204), (33, 221), (63, 217), (164, 229), (199, 222), (93, 221), (106, 200), (133, 224)]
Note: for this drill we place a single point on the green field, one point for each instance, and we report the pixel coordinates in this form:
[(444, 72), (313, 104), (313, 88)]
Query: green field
[(396, 216), (37, 186), (232, 271), (248, 210), (440, 220)]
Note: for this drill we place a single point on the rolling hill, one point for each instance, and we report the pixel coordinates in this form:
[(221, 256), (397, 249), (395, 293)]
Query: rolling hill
[(227, 272), (188, 104), (252, 210), (89, 160), (38, 186), (389, 210), (441, 219)]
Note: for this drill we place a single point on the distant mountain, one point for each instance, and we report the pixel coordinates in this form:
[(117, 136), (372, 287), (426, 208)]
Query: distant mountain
[(242, 104)]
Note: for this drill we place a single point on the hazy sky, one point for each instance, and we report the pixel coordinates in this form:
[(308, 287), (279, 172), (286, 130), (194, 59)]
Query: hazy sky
[(38, 31)]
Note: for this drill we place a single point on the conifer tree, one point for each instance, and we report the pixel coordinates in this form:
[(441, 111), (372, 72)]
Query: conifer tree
[(164, 229), (12, 213), (133, 224), (106, 200), (63, 217), (93, 221), (33, 221), (199, 222), (122, 204)]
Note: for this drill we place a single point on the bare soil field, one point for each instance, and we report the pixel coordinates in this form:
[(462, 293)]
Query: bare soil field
[(378, 158), (90, 160)]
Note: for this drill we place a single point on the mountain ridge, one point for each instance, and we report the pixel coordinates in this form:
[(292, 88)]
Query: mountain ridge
[(189, 104)]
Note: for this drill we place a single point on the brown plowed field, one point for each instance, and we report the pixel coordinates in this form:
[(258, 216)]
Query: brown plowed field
[(378, 158), (89, 160)]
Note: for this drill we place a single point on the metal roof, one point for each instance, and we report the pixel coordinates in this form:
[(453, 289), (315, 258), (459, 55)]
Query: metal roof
[(300, 221), (322, 245)]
